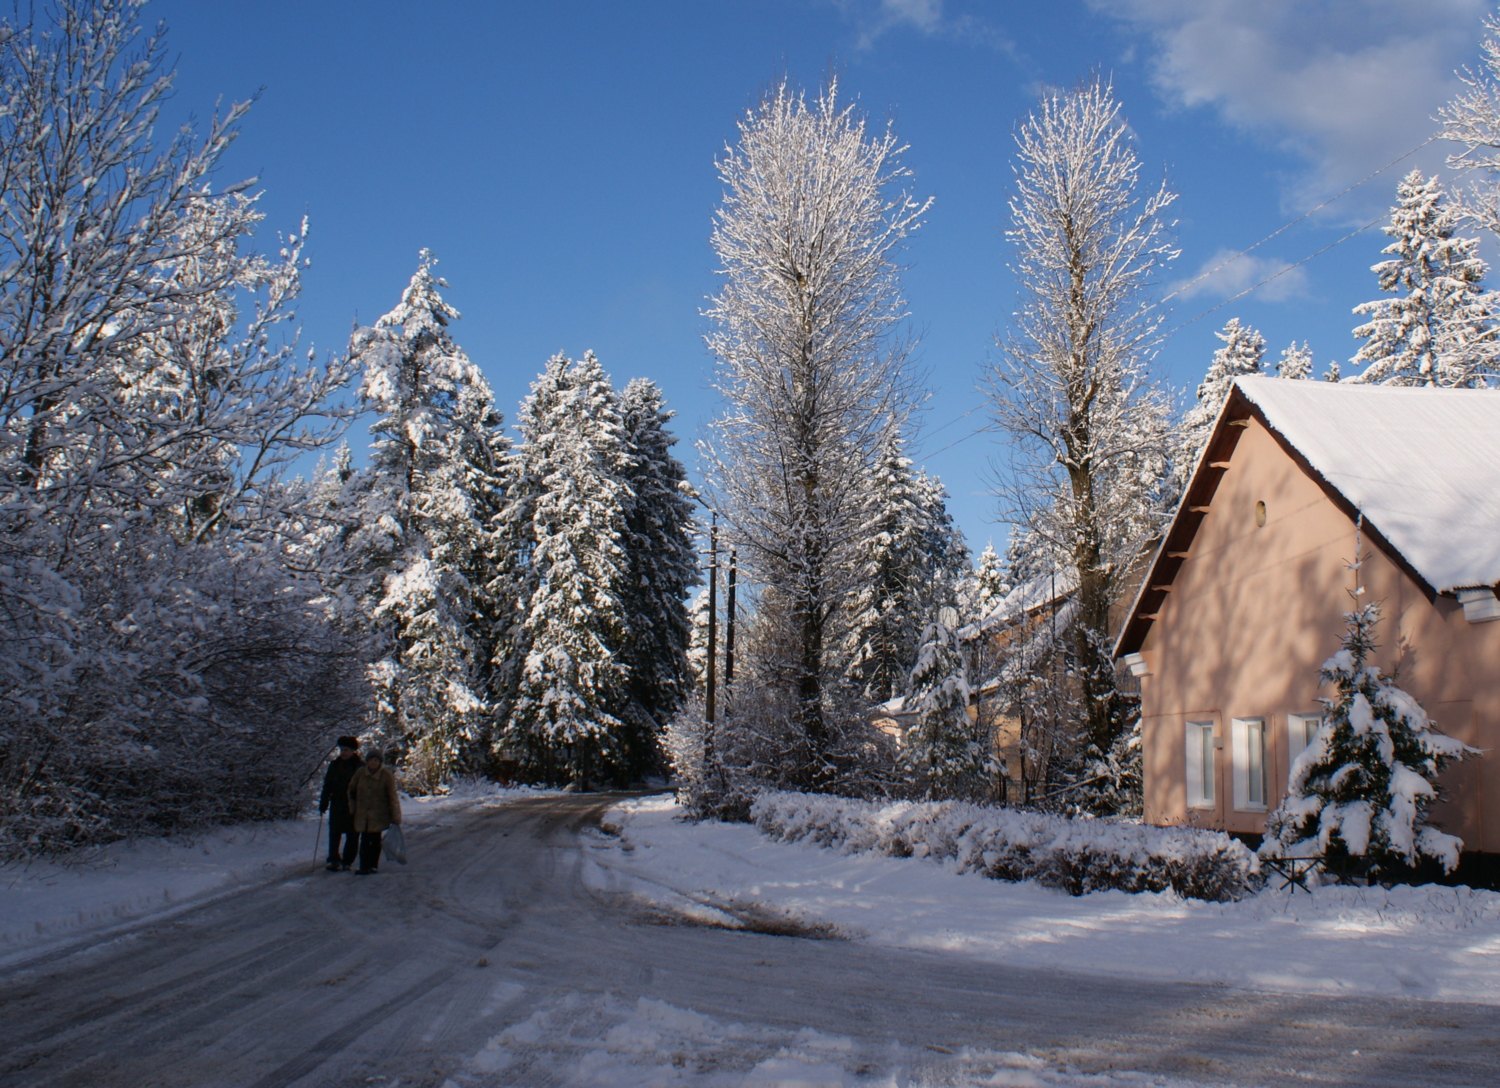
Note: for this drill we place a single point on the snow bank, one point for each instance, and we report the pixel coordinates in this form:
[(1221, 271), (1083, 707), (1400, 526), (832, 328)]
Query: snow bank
[(1432, 943), (1077, 856), (46, 901), (42, 901)]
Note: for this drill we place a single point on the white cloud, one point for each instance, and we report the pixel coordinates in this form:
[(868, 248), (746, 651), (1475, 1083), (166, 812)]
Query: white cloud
[(1240, 274), (1347, 85), (874, 18)]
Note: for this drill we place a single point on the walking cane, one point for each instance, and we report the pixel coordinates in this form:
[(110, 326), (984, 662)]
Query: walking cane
[(318, 841)]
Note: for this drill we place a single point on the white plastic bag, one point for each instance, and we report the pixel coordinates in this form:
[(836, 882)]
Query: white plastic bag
[(395, 843)]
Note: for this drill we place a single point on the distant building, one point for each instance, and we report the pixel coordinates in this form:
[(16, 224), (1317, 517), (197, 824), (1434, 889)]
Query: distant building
[(1246, 595)]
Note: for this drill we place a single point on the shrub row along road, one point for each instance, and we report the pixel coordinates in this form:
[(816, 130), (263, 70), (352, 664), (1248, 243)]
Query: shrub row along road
[(404, 977)]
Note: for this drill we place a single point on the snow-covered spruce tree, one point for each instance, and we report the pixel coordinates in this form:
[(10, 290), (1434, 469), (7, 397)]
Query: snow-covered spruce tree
[(574, 685), (989, 583), (1244, 349), (428, 497), (944, 552), (1089, 434), (163, 660), (812, 372), (1359, 793), (1442, 331), (943, 755), (1296, 362), (885, 614), (662, 569)]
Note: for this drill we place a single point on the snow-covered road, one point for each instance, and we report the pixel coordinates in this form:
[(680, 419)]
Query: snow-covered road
[(489, 961)]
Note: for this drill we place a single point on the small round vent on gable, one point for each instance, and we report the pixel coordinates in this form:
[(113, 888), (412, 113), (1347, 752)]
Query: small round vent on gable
[(1260, 515)]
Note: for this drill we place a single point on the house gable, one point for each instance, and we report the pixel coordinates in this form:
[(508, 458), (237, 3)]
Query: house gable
[(1217, 458)]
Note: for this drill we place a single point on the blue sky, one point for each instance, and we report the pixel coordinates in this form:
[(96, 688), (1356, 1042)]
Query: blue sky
[(558, 159)]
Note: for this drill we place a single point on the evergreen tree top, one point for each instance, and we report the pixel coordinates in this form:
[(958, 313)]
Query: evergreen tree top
[(1243, 350), (1442, 328)]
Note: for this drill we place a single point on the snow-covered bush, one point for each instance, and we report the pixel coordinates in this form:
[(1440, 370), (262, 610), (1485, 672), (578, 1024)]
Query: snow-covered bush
[(1075, 855), (1359, 792)]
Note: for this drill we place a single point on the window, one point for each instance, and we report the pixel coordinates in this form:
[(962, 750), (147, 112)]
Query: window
[(1200, 764), (1249, 763), (1300, 730)]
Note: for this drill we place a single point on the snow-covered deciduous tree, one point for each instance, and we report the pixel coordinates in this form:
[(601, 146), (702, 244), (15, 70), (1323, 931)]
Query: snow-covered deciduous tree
[(1472, 119), (1244, 349), (1358, 794), (1443, 329), (662, 569), (1296, 362), (1090, 435), (574, 683), (166, 657), (810, 366), (427, 502), (943, 754)]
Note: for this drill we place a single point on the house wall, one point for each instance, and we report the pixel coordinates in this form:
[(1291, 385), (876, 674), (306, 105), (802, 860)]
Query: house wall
[(1252, 614)]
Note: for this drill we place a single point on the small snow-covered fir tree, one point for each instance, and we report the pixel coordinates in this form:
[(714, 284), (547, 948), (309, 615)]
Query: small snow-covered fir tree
[(1359, 793), (1242, 353), (1442, 331), (663, 567), (914, 561), (884, 614), (1296, 361), (426, 501), (989, 582), (944, 553), (943, 753), (566, 724), (697, 651)]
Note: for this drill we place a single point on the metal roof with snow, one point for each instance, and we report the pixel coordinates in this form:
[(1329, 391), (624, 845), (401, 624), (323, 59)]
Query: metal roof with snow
[(1422, 465)]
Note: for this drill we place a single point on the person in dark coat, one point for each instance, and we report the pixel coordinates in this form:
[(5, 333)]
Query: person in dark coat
[(375, 805), (335, 802)]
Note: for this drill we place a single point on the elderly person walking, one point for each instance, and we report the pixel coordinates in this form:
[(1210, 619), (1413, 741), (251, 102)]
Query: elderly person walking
[(374, 806)]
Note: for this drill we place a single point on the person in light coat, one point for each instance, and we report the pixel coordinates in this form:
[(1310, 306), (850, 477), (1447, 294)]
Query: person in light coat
[(374, 806)]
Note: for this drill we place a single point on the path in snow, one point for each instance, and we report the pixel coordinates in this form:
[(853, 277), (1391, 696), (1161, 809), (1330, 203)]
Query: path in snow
[(489, 961)]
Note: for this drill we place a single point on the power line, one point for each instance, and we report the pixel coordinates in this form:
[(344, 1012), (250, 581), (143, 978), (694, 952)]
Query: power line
[(1224, 264), (1288, 226), (1277, 274)]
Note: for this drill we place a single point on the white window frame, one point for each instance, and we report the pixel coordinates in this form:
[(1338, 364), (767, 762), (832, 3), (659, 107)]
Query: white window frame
[(1248, 762), (1200, 769), (1300, 730)]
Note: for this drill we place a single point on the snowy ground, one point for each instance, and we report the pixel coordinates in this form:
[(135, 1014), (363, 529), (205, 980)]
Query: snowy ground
[(42, 902), (1433, 943), (603, 1042)]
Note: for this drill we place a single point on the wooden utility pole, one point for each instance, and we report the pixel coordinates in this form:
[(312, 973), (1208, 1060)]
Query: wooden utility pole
[(713, 618)]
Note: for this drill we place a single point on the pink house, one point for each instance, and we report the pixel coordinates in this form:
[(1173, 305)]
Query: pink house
[(1245, 597)]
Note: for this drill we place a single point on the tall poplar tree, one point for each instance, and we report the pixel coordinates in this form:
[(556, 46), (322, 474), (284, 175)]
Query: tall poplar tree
[(1090, 434), (812, 370)]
